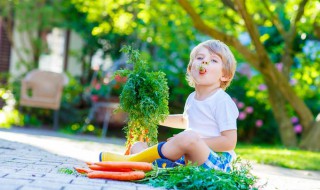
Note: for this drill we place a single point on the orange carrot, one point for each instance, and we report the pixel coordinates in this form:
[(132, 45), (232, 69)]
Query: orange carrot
[(122, 176), (141, 138), (127, 152), (101, 168), (82, 170), (144, 166), (89, 163)]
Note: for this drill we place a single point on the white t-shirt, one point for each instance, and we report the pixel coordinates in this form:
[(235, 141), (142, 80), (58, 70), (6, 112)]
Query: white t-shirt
[(211, 116)]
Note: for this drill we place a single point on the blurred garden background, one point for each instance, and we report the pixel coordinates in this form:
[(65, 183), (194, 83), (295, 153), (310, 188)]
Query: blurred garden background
[(276, 44)]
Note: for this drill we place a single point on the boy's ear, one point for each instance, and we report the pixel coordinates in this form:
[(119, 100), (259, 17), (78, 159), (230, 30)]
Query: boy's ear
[(224, 78), (189, 67)]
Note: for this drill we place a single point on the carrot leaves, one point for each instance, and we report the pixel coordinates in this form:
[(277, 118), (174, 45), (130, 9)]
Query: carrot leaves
[(144, 97)]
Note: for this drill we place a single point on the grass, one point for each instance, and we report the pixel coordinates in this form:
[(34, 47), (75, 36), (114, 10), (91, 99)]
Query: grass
[(280, 156)]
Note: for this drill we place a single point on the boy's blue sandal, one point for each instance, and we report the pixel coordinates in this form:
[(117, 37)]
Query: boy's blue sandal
[(164, 163)]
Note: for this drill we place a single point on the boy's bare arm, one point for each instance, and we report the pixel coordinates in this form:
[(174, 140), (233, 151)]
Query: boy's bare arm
[(175, 121), (226, 142)]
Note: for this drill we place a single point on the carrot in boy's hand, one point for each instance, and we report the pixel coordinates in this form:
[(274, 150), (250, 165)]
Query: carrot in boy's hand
[(122, 176), (144, 166)]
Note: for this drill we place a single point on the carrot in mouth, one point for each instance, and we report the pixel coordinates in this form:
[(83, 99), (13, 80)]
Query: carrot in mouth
[(202, 70)]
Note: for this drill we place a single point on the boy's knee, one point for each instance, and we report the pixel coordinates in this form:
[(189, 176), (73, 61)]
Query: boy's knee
[(189, 138), (138, 147)]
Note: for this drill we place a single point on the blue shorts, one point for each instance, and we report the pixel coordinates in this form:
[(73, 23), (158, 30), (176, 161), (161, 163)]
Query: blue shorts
[(216, 160)]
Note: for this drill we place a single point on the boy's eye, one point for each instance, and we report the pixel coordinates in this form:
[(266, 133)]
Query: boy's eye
[(199, 58), (213, 60)]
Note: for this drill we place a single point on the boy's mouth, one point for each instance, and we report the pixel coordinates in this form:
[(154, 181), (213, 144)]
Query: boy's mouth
[(202, 70)]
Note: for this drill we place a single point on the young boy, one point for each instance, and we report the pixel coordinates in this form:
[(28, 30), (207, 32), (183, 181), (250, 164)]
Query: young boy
[(209, 117)]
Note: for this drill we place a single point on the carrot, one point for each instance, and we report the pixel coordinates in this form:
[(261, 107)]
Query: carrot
[(101, 168), (141, 138), (127, 152), (89, 163), (121, 176), (144, 166), (82, 170)]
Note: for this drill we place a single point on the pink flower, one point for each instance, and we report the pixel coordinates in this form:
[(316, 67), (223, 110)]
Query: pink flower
[(298, 129), (294, 119), (98, 86), (94, 98), (293, 81), (249, 109), (262, 87), (240, 105), (245, 70), (242, 115), (279, 66), (120, 79), (259, 123)]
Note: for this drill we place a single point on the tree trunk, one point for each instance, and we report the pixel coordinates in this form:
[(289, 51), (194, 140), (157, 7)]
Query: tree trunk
[(279, 81), (278, 103), (310, 140)]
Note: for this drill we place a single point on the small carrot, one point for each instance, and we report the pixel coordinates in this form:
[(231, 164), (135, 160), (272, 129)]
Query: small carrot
[(141, 138), (121, 176), (101, 168), (82, 170), (127, 152), (202, 70), (89, 163), (144, 166)]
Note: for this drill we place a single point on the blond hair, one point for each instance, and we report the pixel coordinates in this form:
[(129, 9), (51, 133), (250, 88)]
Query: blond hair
[(222, 50)]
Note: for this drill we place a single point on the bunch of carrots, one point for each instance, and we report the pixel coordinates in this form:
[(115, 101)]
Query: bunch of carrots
[(116, 170), (142, 138)]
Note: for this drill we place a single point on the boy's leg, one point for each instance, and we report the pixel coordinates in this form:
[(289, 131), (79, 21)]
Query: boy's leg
[(186, 143), (138, 147), (218, 161), (148, 155), (162, 163)]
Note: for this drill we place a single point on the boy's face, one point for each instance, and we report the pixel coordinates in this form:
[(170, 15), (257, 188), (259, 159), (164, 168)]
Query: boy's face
[(206, 68)]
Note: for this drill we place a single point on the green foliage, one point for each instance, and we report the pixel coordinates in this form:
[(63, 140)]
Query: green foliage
[(68, 171), (256, 123), (72, 108), (280, 156), (195, 177), (305, 78), (26, 115), (144, 97), (9, 115)]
